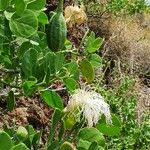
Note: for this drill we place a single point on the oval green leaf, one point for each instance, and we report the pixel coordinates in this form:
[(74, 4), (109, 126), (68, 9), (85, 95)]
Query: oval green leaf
[(87, 70), (5, 141), (95, 60), (20, 6), (20, 146), (52, 99), (42, 18), (71, 84), (73, 70), (92, 43), (36, 4), (29, 62), (109, 129), (25, 25), (91, 135), (29, 87), (4, 4), (23, 48)]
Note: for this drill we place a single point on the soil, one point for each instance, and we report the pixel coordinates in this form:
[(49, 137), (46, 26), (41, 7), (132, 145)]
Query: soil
[(27, 111)]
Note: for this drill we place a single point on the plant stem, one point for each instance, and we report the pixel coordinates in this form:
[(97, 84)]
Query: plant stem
[(83, 39), (6, 94), (60, 6), (5, 70)]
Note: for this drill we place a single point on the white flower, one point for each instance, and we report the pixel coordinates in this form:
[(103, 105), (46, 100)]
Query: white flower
[(91, 104)]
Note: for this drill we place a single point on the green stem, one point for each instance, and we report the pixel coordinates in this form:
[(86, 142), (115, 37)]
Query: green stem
[(83, 39), (60, 6)]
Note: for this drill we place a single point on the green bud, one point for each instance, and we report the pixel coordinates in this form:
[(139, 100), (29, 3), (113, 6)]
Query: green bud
[(22, 133), (67, 146)]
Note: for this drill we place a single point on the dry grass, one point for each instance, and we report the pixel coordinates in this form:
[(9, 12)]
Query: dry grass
[(127, 38), (130, 41)]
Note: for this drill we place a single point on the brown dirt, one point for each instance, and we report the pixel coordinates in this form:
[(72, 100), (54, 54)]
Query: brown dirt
[(27, 111)]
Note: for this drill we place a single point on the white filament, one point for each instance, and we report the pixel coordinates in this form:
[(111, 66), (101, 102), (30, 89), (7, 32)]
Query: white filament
[(91, 104)]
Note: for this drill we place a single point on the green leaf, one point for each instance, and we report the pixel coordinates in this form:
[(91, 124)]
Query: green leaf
[(87, 70), (73, 70), (49, 67), (91, 135), (59, 61), (10, 101), (109, 129), (20, 146), (67, 146), (68, 44), (5, 141), (93, 146), (20, 6), (5, 60), (36, 4), (42, 18), (115, 120), (29, 87), (23, 48), (8, 130), (54, 62), (42, 41), (71, 84), (29, 62), (31, 133), (36, 138), (5, 37), (83, 144), (25, 25), (4, 4), (53, 146), (95, 60), (49, 63), (40, 75), (93, 44), (52, 99), (56, 118)]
